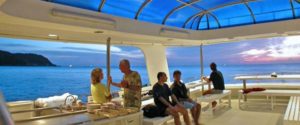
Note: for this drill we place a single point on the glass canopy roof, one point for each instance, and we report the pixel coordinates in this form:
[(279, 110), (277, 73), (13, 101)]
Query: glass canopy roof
[(194, 14)]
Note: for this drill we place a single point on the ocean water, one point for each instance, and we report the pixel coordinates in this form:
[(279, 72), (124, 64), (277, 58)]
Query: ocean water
[(30, 83)]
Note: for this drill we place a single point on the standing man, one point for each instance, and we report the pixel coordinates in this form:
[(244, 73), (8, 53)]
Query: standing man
[(216, 77), (131, 83), (180, 91)]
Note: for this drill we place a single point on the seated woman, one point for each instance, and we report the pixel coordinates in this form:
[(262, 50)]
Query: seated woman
[(99, 91), (161, 94)]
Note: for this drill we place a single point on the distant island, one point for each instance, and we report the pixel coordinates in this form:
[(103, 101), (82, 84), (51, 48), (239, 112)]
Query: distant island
[(22, 59)]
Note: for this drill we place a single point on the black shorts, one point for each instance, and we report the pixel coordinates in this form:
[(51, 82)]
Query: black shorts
[(162, 110)]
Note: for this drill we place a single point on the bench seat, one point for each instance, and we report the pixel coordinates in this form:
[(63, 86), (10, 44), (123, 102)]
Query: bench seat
[(269, 93), (156, 120), (292, 116), (209, 98)]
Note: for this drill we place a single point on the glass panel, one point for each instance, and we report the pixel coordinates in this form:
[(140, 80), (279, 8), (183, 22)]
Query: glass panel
[(197, 23), (190, 71), (192, 24), (123, 8), (237, 58), (225, 10), (156, 10), (203, 23), (208, 4), (213, 24), (297, 12), (268, 10), (297, 8), (85, 4), (179, 17), (72, 74), (229, 16), (240, 21)]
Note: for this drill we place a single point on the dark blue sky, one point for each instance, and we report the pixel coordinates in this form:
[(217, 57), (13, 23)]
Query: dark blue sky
[(271, 50)]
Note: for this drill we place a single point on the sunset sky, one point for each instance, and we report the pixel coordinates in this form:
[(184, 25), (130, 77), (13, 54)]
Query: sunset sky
[(259, 51)]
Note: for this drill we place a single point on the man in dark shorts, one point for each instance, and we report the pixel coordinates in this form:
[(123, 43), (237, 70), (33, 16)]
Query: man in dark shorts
[(181, 92), (216, 77), (161, 94)]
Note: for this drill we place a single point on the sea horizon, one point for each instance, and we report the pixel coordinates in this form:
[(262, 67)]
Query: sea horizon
[(32, 82), (206, 64)]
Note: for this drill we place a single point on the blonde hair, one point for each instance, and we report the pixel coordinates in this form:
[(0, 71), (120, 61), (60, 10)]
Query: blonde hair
[(95, 75)]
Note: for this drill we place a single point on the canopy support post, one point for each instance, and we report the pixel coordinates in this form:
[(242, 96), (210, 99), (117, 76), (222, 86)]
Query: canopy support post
[(108, 62), (201, 61)]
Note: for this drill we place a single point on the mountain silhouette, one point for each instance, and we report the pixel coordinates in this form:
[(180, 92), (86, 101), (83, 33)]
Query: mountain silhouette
[(23, 59)]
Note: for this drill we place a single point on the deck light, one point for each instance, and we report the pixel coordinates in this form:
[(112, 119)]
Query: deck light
[(53, 36)]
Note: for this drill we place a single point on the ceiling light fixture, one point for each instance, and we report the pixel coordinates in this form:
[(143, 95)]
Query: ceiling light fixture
[(99, 31), (52, 35)]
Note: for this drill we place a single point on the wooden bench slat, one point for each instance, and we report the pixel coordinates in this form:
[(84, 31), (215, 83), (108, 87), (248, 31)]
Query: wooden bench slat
[(288, 110), (291, 117), (296, 117), (299, 116)]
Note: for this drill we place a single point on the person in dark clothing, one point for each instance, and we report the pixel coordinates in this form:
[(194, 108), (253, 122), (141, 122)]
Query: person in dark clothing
[(181, 92), (216, 77), (161, 94)]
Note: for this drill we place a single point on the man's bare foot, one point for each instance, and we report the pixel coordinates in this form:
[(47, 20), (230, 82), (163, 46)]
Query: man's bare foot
[(214, 104)]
